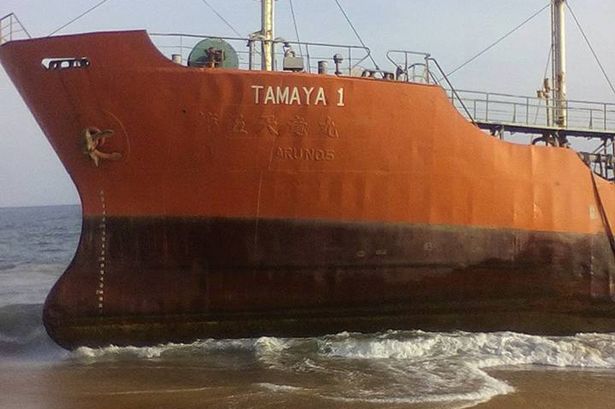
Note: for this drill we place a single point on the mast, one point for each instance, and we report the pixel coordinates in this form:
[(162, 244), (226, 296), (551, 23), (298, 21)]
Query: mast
[(558, 17), (267, 32)]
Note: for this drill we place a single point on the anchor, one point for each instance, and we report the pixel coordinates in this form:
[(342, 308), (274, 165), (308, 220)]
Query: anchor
[(93, 138)]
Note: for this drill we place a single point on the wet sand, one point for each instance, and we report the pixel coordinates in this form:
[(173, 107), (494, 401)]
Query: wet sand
[(150, 386), (555, 389)]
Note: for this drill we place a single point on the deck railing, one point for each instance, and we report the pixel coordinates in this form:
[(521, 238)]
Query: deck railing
[(497, 108), (12, 29), (481, 107), (248, 51), (411, 66), (505, 110)]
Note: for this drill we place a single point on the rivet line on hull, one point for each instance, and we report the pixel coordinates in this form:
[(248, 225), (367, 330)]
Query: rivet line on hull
[(100, 292)]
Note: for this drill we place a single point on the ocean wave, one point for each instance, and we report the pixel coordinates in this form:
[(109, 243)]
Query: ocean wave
[(485, 349), (20, 321), (27, 284), (22, 333), (396, 367), (7, 266), (170, 351), (24, 270)]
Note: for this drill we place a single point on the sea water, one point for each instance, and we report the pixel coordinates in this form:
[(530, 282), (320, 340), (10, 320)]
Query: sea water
[(392, 368)]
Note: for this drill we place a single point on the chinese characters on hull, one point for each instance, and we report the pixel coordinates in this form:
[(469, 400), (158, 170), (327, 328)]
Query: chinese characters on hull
[(277, 124)]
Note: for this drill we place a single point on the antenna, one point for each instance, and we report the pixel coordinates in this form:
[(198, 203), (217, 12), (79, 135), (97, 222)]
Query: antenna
[(558, 32)]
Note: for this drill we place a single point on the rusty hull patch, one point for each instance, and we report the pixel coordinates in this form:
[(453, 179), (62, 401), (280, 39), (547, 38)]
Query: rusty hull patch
[(181, 279)]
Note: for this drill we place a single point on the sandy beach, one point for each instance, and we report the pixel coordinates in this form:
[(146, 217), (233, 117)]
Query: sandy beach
[(147, 385), (394, 369), (555, 389)]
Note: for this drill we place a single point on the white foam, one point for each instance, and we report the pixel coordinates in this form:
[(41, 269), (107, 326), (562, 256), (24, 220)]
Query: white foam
[(115, 351), (260, 346), (391, 368), (486, 350), (269, 345), (280, 388), (155, 391)]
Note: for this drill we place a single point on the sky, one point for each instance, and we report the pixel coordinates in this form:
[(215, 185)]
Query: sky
[(451, 30)]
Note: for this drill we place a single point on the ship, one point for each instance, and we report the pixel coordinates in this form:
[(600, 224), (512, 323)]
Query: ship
[(222, 201)]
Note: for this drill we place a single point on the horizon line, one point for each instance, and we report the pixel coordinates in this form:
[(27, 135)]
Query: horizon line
[(40, 205)]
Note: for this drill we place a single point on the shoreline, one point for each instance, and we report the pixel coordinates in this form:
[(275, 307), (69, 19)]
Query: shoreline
[(156, 384), (554, 388)]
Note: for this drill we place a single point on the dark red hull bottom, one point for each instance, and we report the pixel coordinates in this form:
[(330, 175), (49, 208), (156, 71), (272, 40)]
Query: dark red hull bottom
[(144, 281)]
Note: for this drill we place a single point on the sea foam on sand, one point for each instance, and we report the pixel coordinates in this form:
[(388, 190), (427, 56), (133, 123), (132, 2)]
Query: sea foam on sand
[(395, 367)]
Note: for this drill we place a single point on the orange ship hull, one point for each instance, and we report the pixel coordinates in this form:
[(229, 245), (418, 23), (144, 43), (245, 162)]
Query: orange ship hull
[(227, 203)]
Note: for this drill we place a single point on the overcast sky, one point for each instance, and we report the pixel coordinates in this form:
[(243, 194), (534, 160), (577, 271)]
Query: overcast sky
[(452, 30)]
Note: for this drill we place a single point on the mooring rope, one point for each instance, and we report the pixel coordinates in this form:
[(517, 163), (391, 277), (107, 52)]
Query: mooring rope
[(591, 48), (356, 32), (603, 215), (88, 11), (292, 11), (221, 17), (505, 36)]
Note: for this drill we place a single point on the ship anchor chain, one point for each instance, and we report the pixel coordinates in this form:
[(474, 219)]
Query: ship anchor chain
[(93, 138)]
